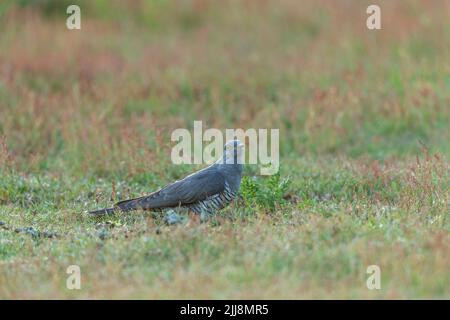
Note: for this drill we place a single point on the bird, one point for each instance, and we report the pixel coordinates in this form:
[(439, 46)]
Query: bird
[(203, 192)]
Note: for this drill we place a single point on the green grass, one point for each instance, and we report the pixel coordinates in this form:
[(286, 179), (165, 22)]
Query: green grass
[(86, 118)]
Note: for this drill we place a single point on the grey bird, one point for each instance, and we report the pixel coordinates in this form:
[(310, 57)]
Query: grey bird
[(203, 192)]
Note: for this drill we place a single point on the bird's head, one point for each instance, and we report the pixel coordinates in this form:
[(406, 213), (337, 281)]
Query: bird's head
[(233, 152)]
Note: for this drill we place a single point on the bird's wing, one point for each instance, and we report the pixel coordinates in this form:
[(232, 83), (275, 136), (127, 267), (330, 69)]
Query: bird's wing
[(193, 188)]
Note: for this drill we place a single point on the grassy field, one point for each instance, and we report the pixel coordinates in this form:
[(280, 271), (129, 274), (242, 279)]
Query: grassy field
[(86, 117)]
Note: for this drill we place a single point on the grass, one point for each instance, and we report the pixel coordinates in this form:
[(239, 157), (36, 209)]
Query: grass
[(86, 118)]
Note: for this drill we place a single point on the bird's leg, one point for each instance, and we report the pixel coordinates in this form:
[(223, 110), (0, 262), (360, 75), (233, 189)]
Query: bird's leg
[(172, 217)]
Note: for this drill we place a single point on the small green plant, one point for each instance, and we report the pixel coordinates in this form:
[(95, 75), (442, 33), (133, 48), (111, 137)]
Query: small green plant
[(267, 193)]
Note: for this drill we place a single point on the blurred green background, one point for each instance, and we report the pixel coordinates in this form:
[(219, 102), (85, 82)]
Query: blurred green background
[(139, 69)]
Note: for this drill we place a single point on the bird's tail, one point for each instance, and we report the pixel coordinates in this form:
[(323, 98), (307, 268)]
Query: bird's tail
[(102, 212), (122, 206), (129, 205)]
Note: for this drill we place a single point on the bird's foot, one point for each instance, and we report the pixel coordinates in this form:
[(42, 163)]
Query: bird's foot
[(172, 218), (204, 217)]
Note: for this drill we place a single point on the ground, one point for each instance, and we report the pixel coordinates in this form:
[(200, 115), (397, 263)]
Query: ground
[(86, 117)]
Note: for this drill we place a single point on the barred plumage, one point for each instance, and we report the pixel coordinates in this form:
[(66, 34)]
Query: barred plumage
[(215, 202)]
